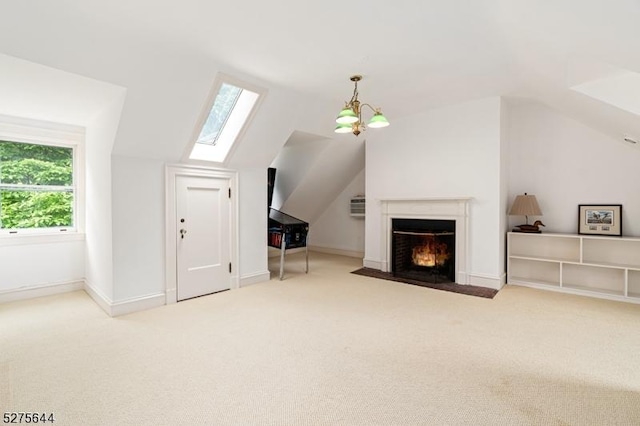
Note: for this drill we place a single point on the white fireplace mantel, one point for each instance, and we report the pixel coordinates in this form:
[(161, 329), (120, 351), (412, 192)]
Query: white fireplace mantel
[(449, 208)]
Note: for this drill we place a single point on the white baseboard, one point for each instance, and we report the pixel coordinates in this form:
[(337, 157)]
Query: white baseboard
[(577, 292), (503, 280), (275, 252), (489, 281), (137, 304), (235, 281), (171, 296), (373, 264), (101, 300), (127, 306), (256, 278), (40, 291), (340, 252)]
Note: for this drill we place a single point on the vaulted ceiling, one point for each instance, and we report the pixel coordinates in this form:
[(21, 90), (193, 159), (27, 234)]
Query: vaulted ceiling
[(414, 55)]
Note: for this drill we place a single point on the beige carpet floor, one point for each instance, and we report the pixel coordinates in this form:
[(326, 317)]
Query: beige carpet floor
[(327, 348)]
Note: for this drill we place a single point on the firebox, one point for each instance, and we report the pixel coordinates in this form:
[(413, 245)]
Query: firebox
[(424, 249)]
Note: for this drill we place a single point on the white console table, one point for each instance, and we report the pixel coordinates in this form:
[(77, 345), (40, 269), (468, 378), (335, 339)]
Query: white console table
[(598, 266)]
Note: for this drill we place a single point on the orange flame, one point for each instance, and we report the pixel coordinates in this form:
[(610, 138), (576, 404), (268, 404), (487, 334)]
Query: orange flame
[(431, 253)]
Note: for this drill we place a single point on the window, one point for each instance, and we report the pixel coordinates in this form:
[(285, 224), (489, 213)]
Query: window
[(39, 178), (227, 116), (220, 111)]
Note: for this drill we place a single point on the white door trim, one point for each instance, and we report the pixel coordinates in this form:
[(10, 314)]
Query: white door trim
[(171, 250)]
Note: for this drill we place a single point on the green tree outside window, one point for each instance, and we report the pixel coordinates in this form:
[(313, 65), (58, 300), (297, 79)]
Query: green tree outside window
[(36, 186)]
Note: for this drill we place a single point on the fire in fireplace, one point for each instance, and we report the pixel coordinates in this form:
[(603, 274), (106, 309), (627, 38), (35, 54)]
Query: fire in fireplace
[(424, 250), (432, 252)]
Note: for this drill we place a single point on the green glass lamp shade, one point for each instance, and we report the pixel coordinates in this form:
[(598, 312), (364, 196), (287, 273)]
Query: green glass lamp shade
[(346, 116), (343, 128), (378, 120)]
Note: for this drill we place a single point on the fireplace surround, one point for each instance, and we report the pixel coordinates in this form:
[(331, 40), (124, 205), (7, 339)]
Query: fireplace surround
[(455, 210)]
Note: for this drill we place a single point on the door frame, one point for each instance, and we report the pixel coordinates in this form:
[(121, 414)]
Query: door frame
[(171, 227)]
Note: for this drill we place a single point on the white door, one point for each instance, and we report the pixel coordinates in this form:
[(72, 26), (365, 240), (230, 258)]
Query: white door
[(203, 239)]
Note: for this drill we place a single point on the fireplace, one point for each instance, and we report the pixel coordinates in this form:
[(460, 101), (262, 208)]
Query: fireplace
[(424, 249), (449, 209)]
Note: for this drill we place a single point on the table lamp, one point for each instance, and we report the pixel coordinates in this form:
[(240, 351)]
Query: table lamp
[(526, 205)]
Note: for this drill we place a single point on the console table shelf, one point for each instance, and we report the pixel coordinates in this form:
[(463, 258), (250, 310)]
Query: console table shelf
[(589, 265)]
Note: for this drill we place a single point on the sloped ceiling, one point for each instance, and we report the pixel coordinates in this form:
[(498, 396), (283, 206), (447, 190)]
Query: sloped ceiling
[(413, 55), (311, 171), (32, 91), (293, 162)]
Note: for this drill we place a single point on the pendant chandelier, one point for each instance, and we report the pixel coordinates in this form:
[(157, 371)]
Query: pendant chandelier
[(350, 118)]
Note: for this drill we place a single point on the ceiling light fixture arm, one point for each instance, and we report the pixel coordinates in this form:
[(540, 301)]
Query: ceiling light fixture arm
[(355, 104), (374, 109)]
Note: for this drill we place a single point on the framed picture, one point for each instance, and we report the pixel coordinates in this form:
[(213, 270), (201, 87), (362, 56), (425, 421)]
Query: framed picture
[(600, 219)]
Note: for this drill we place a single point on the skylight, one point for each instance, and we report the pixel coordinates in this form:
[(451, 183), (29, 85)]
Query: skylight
[(220, 112), (227, 117)]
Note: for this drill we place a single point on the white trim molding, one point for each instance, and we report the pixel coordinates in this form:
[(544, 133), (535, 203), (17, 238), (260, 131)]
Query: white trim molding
[(373, 264), (456, 209), (101, 300), (172, 171), (40, 291), (275, 252), (123, 307), (339, 252), (250, 279), (136, 304), (43, 238), (489, 281)]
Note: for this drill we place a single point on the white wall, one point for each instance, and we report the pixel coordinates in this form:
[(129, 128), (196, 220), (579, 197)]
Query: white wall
[(252, 206), (27, 265), (333, 169), (565, 163), (100, 135), (34, 91), (447, 152), (292, 164), (138, 227), (54, 259), (336, 229), (504, 185)]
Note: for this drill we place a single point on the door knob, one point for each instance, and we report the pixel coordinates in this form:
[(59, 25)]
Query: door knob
[(182, 232)]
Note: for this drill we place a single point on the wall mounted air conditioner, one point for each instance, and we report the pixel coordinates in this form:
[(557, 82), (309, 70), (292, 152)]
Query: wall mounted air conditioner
[(357, 206)]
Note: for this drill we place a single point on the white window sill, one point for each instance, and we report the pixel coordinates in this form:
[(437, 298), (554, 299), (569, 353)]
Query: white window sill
[(40, 238)]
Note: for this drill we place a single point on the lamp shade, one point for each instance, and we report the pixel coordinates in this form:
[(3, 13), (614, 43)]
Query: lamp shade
[(525, 205), (378, 120), (346, 116), (343, 128)]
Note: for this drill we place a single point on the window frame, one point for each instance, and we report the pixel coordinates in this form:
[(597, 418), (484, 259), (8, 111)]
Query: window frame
[(219, 80), (24, 130)]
